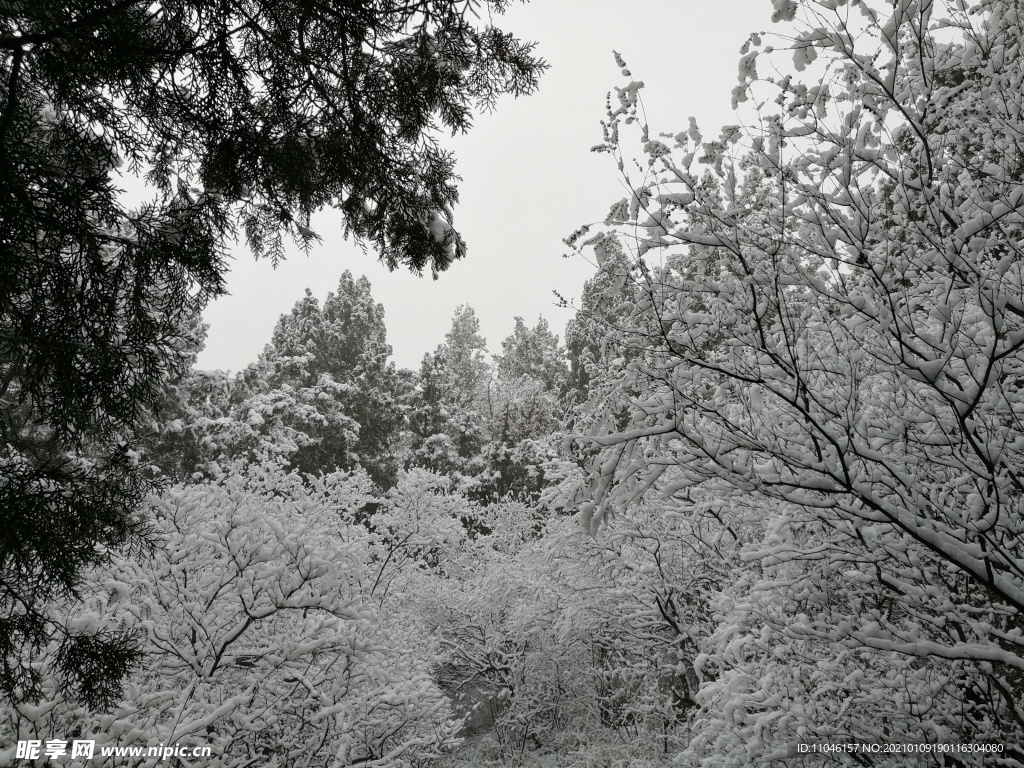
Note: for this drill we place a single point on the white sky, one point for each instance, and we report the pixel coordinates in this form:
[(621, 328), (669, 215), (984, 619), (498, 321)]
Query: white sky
[(529, 178)]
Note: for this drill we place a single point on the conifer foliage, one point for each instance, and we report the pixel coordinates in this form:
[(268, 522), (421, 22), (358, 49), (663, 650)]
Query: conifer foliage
[(446, 418), (331, 364)]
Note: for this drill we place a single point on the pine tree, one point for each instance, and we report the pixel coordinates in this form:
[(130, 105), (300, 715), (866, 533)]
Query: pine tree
[(525, 413), (589, 333), (447, 412), (533, 352), (325, 378)]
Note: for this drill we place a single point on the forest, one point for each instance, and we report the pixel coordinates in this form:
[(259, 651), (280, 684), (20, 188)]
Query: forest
[(761, 502)]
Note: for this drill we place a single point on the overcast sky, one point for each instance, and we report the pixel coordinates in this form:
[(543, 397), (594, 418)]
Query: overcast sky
[(528, 177)]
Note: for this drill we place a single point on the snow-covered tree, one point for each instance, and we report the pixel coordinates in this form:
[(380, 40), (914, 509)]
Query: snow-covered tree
[(837, 328), (446, 412), (565, 650), (523, 429), (192, 426), (421, 527), (489, 425), (518, 408), (591, 331), (323, 391), (533, 352), (262, 635)]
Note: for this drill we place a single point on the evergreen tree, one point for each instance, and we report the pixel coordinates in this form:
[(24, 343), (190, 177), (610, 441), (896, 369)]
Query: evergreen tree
[(332, 364), (446, 414), (589, 332), (534, 352), (191, 423), (524, 413), (464, 353)]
